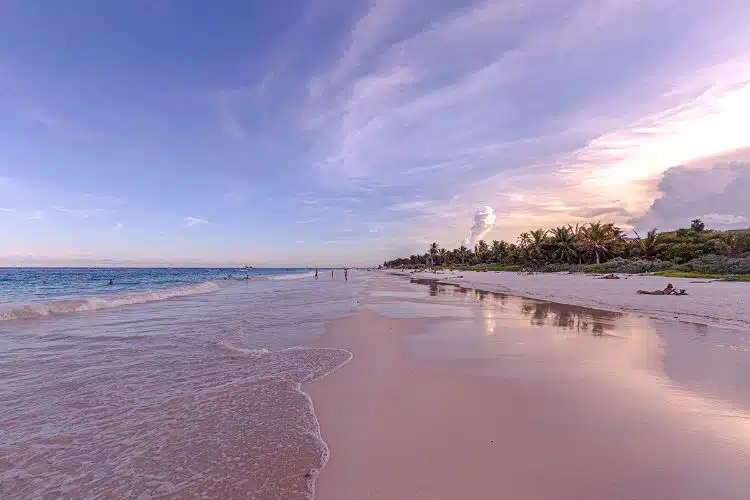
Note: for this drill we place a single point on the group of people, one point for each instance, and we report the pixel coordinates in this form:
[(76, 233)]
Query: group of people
[(346, 274)]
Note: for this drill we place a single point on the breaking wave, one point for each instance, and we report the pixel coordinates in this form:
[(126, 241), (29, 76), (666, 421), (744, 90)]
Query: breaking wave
[(66, 306)]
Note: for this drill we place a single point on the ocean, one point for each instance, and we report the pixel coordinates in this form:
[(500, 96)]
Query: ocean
[(169, 382)]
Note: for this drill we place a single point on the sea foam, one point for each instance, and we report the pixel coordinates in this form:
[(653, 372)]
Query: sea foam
[(31, 311)]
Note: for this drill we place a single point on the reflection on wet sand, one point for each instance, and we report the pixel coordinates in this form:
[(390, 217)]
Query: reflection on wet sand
[(696, 371), (540, 313)]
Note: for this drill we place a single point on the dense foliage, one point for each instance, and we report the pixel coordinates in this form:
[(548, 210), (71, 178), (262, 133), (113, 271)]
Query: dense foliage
[(602, 247)]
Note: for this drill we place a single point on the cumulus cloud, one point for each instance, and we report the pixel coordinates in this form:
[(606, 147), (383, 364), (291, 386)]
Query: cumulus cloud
[(484, 221), (716, 193), (191, 221), (460, 102)]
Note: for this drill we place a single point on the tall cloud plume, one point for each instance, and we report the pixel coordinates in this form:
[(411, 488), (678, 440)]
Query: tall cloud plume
[(484, 221)]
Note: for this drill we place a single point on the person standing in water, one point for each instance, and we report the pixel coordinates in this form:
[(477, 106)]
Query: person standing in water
[(331, 273), (346, 274), (316, 274)]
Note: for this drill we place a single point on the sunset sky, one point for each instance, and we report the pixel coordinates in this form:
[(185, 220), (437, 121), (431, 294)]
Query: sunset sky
[(346, 132)]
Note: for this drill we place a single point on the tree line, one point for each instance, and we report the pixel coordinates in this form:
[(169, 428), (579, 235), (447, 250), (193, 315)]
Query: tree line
[(592, 243)]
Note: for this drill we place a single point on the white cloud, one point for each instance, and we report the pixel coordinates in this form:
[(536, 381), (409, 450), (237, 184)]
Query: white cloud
[(84, 213), (191, 221), (37, 215), (119, 225), (714, 190), (723, 219), (521, 105)]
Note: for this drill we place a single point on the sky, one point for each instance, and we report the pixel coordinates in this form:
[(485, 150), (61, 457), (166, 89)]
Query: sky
[(346, 132)]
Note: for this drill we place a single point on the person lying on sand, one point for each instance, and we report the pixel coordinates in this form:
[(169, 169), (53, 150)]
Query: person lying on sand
[(666, 291), (609, 277), (670, 290)]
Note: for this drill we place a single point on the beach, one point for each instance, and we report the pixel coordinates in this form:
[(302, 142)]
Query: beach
[(456, 392), (414, 386)]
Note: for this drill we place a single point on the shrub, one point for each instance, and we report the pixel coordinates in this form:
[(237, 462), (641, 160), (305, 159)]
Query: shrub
[(718, 264)]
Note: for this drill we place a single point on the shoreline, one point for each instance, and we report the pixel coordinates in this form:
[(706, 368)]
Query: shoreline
[(707, 302), (398, 424)]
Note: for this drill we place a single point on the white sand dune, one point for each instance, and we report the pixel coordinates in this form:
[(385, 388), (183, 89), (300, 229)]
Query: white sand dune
[(711, 302)]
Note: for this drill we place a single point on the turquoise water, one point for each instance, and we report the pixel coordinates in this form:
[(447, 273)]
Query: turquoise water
[(35, 285), (170, 383), (35, 292)]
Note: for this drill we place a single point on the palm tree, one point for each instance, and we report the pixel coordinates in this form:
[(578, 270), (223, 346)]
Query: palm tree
[(443, 253), (600, 239), (565, 244), (650, 245), (728, 244), (462, 253), (538, 243), (433, 249), (482, 251), (499, 250), (524, 240)]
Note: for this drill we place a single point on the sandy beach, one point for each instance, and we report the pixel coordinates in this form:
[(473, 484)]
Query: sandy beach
[(459, 393), (712, 302)]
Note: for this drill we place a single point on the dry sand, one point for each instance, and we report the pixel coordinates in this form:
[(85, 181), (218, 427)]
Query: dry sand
[(710, 302), (404, 426)]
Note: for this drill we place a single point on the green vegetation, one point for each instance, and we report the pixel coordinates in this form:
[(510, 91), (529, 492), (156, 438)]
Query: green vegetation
[(688, 274), (602, 248)]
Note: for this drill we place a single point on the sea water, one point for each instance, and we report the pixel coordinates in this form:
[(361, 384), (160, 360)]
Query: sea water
[(173, 383)]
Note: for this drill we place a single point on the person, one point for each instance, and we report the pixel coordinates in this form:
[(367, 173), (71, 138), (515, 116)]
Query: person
[(110, 283), (667, 291), (316, 274), (331, 273), (346, 275)]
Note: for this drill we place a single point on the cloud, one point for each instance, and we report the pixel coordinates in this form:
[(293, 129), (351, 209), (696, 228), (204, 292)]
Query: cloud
[(119, 225), (6, 209), (308, 221), (37, 215), (191, 221), (484, 221), (83, 213), (471, 105), (723, 219), (717, 193)]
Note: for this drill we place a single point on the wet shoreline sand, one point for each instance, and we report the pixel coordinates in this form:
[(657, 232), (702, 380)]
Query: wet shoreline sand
[(457, 394)]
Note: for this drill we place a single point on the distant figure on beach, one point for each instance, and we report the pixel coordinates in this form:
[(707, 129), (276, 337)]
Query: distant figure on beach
[(316, 274), (346, 275), (331, 273), (110, 283), (667, 291)]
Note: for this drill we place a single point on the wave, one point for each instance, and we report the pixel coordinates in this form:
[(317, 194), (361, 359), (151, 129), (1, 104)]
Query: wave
[(67, 306), (242, 350), (294, 276)]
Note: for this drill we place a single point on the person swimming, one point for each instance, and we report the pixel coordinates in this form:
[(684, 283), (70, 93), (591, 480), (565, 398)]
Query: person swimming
[(110, 283)]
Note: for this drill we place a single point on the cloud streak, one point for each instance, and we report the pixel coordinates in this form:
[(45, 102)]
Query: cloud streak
[(521, 105), (191, 221)]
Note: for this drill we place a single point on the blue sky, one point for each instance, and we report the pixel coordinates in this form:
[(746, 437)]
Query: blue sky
[(345, 132)]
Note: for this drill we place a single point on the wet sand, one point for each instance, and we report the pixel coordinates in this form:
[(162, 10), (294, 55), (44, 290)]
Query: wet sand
[(713, 302), (454, 393)]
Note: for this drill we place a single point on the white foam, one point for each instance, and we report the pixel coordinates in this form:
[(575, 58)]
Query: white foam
[(294, 276), (31, 311), (243, 350)]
